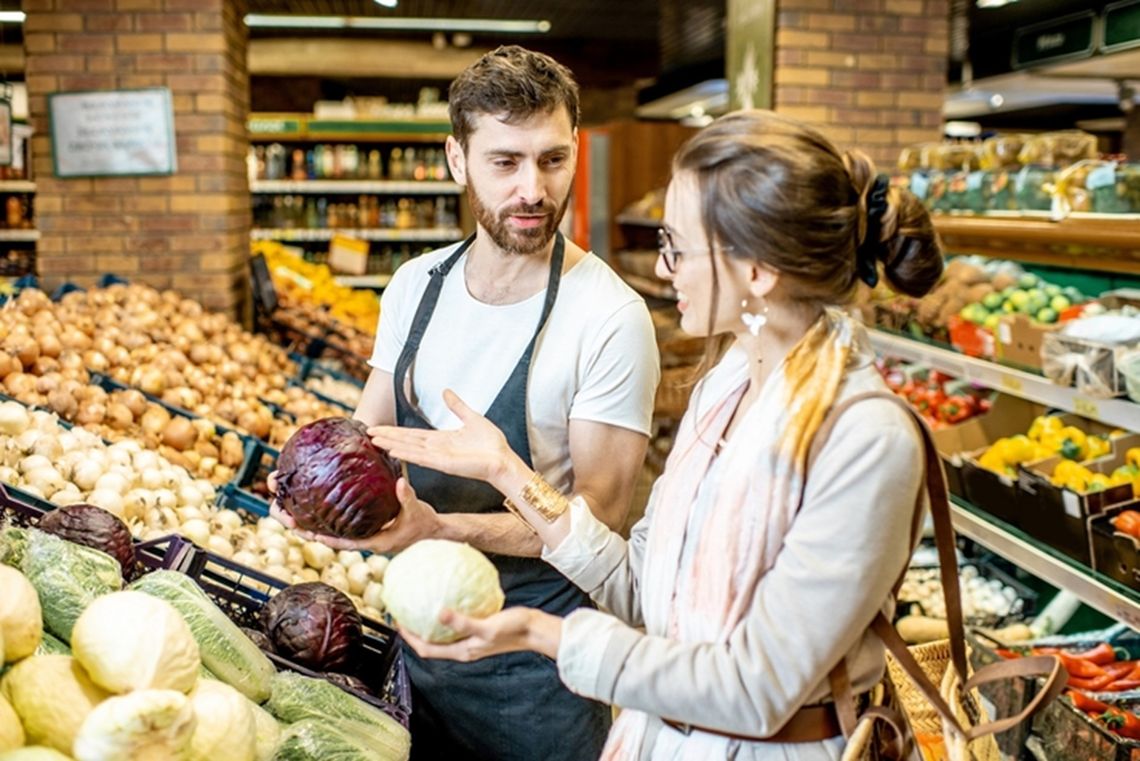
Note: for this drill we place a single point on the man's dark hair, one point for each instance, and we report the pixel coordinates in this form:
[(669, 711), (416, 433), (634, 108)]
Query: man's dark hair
[(512, 83)]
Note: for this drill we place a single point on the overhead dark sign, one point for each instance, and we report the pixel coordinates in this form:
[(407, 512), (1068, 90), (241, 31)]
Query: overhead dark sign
[(1121, 26), (1061, 40)]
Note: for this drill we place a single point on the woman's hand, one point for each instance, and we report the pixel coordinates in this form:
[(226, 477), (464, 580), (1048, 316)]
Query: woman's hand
[(476, 450), (417, 520), (508, 631)]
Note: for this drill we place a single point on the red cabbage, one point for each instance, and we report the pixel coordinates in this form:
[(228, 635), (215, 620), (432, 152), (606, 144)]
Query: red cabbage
[(93, 527), (332, 480), (314, 625)]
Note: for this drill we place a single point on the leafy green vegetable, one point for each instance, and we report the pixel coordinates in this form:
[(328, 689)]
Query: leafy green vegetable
[(67, 577), (296, 698), (230, 655), (315, 740)]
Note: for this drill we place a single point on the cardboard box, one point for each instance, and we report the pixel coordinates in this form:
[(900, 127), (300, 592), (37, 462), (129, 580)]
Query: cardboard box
[(961, 445), (1019, 340), (1060, 517), (1121, 297), (1114, 554)]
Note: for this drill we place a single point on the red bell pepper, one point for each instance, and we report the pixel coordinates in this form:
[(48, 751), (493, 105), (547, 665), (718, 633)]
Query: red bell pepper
[(1095, 684), (1102, 654), (1080, 668), (1122, 685), (1084, 703), (1124, 723)]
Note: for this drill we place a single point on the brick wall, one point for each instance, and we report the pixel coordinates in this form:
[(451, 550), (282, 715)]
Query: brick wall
[(872, 73), (188, 231)]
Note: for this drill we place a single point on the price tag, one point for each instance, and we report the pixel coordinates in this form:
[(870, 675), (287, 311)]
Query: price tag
[(1085, 407), (348, 255), (1072, 503), (1011, 383)]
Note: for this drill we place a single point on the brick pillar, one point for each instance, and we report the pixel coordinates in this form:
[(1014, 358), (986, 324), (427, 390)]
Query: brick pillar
[(872, 73), (188, 231)]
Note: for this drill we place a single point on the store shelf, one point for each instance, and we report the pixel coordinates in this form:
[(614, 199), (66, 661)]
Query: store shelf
[(19, 236), (1102, 242), (650, 287), (1120, 413), (364, 281), (394, 236), (375, 187), (1095, 591), (17, 186)]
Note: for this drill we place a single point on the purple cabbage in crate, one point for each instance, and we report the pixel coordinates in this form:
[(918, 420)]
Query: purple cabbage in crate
[(314, 625), (332, 480), (93, 527)]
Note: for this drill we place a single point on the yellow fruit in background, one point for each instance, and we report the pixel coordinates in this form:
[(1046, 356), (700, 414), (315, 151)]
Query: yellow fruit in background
[(1132, 456), (1098, 447), (1061, 473), (992, 461), (1098, 482), (1045, 424)]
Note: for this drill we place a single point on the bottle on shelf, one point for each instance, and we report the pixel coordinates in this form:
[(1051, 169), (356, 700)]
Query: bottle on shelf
[(396, 164)]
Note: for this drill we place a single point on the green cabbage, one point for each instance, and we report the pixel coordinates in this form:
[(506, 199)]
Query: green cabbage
[(226, 651), (316, 740), (34, 753), (268, 733), (49, 645), (296, 698), (144, 725), (68, 577)]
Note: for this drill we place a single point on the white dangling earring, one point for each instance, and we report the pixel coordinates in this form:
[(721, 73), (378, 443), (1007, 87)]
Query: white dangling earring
[(754, 322)]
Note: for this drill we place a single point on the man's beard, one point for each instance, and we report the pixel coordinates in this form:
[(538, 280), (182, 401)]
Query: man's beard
[(518, 240)]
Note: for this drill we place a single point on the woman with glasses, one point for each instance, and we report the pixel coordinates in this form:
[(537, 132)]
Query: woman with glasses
[(746, 584)]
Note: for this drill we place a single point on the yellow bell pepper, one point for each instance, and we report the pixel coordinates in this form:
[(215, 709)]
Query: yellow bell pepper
[(1045, 424), (1020, 449), (1132, 456), (1098, 447), (1074, 444), (1062, 472), (993, 461), (1098, 482)]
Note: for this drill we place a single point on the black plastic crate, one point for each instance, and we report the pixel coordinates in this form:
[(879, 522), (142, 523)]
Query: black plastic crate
[(248, 491), (25, 510), (242, 593), (997, 495)]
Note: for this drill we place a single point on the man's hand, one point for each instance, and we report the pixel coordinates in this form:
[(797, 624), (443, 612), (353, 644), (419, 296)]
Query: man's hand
[(417, 520), (477, 450), (508, 631)]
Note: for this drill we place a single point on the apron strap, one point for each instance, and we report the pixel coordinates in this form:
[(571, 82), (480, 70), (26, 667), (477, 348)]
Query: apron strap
[(422, 318)]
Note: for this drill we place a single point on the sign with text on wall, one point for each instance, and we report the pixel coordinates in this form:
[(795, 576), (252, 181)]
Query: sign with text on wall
[(103, 133)]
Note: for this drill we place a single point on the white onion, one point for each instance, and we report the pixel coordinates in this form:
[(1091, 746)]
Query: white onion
[(67, 442), (137, 502), (370, 612), (220, 546), (247, 558), (9, 475), (379, 564), (150, 479), (279, 572), (189, 495), (359, 576), (273, 541), (86, 474), (46, 480), (66, 496), (34, 462), (349, 558), (118, 456), (273, 556), (294, 558), (110, 501), (26, 441), (112, 481), (166, 498), (229, 519), (374, 595), (271, 525), (335, 576), (308, 574), (317, 555), (14, 418), (196, 530), (49, 447), (145, 460), (190, 514)]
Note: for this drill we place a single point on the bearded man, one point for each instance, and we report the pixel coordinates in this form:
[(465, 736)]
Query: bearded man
[(547, 342)]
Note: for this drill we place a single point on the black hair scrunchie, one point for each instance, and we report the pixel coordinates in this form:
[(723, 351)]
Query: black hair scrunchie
[(868, 251)]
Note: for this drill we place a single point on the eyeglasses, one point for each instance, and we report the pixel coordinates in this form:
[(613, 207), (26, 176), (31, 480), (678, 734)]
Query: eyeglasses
[(670, 254)]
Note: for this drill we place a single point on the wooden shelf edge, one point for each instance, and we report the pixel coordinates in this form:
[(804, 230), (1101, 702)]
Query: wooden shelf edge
[(1074, 231)]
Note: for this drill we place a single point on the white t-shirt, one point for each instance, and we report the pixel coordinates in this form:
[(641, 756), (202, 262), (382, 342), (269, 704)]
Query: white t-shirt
[(595, 360)]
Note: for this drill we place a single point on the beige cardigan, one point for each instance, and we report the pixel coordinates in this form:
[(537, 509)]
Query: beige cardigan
[(838, 563)]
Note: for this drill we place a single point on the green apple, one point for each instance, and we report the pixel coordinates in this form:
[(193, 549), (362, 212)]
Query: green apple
[(1046, 315), (1060, 303), (1020, 300), (991, 322), (992, 301), (1052, 290), (1027, 281)]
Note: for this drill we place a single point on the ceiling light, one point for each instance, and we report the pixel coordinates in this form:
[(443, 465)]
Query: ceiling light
[(390, 23), (11, 17), (388, 3), (994, 3), (997, 100)]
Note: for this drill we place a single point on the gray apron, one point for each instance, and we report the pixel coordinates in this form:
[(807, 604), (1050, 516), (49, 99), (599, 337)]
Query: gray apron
[(513, 706)]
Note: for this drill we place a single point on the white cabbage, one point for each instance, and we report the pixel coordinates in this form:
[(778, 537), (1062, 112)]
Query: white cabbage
[(435, 574), (225, 729), (11, 731), (52, 695), (132, 641), (145, 725), (268, 733), (34, 753), (21, 626)]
